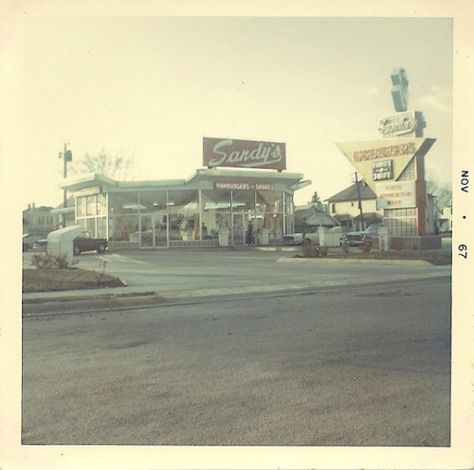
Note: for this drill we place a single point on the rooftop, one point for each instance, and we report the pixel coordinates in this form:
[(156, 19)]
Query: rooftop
[(293, 180), (350, 193)]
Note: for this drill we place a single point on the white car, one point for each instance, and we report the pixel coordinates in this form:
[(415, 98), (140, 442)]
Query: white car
[(298, 238)]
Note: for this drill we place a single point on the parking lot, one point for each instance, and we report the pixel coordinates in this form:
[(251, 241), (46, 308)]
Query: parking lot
[(172, 270)]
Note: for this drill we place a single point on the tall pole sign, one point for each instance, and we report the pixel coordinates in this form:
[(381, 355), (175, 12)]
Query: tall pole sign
[(394, 167)]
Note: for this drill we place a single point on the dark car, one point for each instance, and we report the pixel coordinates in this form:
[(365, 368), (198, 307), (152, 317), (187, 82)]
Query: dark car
[(363, 237), (85, 242), (30, 240)]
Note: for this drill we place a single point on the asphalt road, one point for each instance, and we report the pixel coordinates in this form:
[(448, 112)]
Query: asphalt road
[(361, 367)]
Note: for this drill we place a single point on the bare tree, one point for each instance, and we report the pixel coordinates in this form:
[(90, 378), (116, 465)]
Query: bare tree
[(117, 166), (317, 203), (443, 194)]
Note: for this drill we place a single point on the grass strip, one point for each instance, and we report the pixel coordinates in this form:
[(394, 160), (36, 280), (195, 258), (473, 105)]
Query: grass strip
[(50, 280)]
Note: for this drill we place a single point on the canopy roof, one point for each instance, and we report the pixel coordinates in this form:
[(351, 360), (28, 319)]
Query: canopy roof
[(293, 181)]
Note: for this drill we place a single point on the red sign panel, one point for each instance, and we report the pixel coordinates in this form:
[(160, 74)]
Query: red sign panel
[(243, 153)]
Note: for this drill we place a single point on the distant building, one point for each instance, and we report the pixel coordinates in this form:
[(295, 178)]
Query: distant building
[(445, 221), (38, 220), (344, 206), (310, 216)]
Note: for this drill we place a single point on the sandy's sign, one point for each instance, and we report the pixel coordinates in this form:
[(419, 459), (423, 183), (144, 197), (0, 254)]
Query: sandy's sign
[(243, 153), (394, 156), (407, 124)]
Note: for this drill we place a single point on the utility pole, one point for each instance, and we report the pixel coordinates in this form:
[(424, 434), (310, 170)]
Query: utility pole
[(360, 202), (66, 155)]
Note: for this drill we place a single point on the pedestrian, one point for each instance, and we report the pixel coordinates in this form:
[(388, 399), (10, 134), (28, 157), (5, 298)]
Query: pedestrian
[(249, 240)]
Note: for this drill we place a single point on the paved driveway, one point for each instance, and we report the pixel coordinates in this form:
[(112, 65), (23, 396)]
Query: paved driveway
[(207, 269)]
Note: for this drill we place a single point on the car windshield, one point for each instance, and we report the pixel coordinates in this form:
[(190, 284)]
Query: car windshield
[(372, 228)]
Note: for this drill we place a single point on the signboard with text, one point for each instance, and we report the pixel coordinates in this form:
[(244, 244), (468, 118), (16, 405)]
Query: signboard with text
[(365, 156), (382, 170), (243, 153), (396, 195), (244, 186), (407, 124)]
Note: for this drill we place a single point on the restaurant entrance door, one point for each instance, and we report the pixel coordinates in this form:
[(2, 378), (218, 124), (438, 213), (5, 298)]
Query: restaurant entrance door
[(240, 221), (152, 231)]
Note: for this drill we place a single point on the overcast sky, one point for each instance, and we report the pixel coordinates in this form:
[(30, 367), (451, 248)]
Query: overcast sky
[(152, 87)]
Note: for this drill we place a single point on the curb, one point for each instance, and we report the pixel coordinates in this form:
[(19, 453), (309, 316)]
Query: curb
[(412, 262), (43, 297)]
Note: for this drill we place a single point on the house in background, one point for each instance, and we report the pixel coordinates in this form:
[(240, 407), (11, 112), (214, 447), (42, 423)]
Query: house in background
[(445, 221), (38, 220), (310, 216), (44, 219), (344, 206)]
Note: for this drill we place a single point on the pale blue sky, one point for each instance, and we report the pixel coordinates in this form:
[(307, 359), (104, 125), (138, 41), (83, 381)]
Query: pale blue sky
[(152, 87)]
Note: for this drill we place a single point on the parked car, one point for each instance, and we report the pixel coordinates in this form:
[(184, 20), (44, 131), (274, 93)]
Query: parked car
[(299, 237), (85, 242), (40, 244), (29, 240), (363, 237)]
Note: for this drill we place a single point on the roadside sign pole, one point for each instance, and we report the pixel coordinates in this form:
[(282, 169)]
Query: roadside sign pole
[(360, 202)]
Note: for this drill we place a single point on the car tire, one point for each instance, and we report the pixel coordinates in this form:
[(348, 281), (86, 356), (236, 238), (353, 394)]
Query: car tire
[(101, 248)]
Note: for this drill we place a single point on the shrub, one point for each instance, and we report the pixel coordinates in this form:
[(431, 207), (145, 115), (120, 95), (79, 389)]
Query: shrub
[(47, 261)]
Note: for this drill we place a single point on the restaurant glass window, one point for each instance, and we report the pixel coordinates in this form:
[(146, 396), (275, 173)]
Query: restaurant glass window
[(183, 210), (101, 204), (90, 225), (269, 216), (88, 210), (91, 205), (216, 214), (81, 206), (124, 211), (401, 222), (153, 218), (244, 215), (101, 230), (289, 214)]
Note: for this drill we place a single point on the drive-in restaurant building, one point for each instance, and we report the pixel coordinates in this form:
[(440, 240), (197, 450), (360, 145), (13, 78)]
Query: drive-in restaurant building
[(213, 207)]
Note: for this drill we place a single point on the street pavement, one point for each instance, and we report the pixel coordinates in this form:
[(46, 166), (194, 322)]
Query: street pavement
[(360, 366)]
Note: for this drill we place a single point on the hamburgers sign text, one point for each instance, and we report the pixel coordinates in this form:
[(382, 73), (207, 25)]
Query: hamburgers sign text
[(243, 153)]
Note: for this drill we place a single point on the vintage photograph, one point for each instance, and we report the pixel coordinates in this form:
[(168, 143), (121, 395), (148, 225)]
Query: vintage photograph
[(237, 231)]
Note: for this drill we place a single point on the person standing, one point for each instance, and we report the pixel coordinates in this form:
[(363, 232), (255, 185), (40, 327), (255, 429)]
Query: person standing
[(249, 239)]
